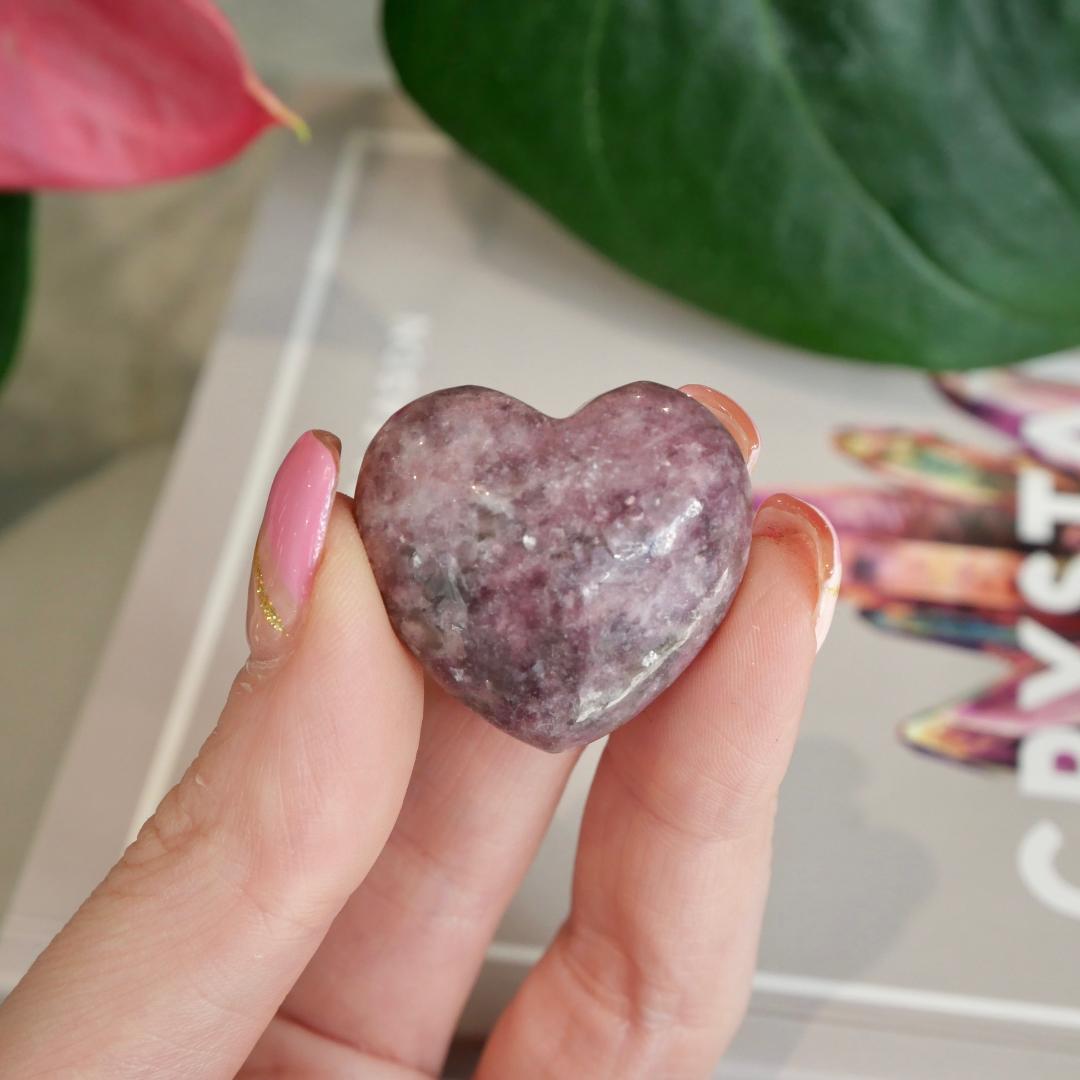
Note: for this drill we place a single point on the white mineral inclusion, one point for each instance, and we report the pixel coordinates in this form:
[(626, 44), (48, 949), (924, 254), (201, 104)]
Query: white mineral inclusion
[(664, 541)]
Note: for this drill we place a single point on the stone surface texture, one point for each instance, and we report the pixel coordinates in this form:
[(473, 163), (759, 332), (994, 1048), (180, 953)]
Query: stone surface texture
[(555, 574)]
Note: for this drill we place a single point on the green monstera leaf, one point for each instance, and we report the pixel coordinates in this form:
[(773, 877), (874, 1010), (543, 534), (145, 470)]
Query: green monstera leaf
[(14, 271), (895, 181)]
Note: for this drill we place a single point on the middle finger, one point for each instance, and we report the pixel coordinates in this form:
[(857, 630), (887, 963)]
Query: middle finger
[(392, 975)]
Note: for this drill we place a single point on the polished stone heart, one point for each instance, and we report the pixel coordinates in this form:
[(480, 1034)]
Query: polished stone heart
[(555, 574)]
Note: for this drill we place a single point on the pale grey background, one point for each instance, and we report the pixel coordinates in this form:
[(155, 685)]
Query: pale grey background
[(129, 288)]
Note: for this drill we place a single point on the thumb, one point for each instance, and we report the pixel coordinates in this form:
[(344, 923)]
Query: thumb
[(178, 960)]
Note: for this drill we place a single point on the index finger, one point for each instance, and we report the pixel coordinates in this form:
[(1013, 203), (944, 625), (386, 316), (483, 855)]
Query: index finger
[(177, 962), (651, 973)]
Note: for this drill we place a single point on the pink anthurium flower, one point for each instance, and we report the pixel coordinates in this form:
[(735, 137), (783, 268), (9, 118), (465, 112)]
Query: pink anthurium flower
[(106, 93)]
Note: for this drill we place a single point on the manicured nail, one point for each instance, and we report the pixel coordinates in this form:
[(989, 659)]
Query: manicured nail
[(733, 416), (782, 516), (291, 541)]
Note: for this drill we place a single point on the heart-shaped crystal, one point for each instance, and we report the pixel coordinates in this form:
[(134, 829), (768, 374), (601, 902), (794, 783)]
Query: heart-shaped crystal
[(555, 574)]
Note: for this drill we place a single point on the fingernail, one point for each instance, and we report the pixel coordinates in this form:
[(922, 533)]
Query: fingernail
[(291, 541), (733, 416), (783, 516)]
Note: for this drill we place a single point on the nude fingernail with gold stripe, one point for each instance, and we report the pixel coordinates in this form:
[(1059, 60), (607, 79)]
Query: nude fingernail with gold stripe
[(291, 541)]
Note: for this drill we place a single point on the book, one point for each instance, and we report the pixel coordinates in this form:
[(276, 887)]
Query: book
[(925, 908)]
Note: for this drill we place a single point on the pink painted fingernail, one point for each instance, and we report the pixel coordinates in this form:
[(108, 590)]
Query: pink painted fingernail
[(784, 515), (733, 416), (291, 540)]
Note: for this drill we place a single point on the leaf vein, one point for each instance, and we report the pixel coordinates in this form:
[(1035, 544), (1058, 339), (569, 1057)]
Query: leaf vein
[(1011, 122), (592, 122), (921, 259)]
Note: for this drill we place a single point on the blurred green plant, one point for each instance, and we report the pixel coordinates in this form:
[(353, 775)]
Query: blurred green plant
[(14, 271), (893, 181)]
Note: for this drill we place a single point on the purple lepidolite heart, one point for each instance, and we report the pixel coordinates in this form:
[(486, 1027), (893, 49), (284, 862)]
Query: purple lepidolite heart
[(555, 574)]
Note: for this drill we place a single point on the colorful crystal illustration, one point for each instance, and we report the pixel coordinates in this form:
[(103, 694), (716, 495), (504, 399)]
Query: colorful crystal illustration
[(932, 552)]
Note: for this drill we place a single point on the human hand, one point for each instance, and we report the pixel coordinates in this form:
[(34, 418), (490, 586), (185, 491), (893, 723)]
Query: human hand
[(316, 895)]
